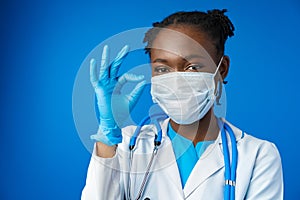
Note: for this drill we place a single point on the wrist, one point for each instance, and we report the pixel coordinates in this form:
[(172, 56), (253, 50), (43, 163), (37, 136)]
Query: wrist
[(105, 151), (108, 136), (107, 123)]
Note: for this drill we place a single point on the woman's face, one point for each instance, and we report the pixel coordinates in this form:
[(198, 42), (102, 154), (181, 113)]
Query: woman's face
[(183, 48)]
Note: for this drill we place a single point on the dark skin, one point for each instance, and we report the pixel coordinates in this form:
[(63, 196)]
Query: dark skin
[(177, 53)]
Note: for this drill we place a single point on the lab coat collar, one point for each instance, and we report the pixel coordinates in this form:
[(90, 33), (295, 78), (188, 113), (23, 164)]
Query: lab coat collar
[(237, 132)]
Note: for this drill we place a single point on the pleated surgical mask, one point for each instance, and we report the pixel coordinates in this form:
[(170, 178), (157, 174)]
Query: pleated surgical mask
[(185, 97)]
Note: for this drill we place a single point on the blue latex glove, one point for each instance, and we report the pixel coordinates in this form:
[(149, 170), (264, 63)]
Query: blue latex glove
[(107, 83)]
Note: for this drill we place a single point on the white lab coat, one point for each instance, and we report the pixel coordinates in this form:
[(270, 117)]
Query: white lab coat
[(259, 170)]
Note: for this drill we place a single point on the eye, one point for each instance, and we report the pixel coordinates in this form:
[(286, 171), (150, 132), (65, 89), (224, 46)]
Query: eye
[(195, 67), (161, 69)]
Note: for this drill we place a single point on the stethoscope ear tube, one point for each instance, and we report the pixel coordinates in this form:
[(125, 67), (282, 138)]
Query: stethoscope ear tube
[(158, 137), (132, 141)]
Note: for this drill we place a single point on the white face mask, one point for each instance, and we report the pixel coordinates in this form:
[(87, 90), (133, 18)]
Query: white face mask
[(184, 96)]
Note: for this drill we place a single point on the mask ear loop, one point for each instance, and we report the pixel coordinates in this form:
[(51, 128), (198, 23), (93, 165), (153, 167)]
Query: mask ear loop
[(219, 83), (219, 64)]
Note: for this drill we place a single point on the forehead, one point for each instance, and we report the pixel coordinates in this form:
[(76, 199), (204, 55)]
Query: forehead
[(183, 41)]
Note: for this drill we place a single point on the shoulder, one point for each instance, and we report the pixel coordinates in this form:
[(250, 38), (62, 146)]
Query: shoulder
[(249, 144), (259, 167), (265, 152), (262, 145)]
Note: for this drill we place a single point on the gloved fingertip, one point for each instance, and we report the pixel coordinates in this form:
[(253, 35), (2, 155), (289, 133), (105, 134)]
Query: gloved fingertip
[(105, 47), (124, 51), (142, 84), (92, 61), (126, 47), (134, 77), (138, 77)]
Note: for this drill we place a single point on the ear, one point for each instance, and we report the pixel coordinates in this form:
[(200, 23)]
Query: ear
[(224, 67)]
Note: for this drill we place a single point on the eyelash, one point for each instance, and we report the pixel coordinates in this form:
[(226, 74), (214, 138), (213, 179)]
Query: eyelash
[(164, 69), (159, 69), (197, 66)]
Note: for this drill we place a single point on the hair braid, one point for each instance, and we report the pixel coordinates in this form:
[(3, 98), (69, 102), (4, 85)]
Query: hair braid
[(214, 23)]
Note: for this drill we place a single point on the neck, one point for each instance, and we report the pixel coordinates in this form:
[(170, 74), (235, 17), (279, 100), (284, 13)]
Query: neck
[(203, 130)]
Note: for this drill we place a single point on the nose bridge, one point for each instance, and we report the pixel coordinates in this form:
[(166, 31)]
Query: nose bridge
[(178, 69), (178, 64)]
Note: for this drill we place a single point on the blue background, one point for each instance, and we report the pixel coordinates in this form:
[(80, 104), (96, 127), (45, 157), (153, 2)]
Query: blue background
[(43, 44)]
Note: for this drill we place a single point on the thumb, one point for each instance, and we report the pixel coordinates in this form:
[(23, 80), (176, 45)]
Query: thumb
[(126, 78)]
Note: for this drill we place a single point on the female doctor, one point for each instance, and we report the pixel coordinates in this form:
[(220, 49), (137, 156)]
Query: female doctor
[(191, 154)]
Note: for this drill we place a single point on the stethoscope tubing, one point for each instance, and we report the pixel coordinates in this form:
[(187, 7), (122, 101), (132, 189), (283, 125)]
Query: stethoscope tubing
[(158, 136), (230, 171)]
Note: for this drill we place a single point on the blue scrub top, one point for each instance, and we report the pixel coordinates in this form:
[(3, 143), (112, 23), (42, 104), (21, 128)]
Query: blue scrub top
[(186, 154)]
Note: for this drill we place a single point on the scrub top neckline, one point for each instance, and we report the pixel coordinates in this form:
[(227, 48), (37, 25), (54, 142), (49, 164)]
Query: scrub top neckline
[(176, 138), (186, 154)]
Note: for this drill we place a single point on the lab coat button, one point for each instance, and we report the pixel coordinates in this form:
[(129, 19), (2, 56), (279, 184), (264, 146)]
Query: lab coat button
[(147, 198)]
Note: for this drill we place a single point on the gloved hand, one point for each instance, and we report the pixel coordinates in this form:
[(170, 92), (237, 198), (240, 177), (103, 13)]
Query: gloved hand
[(109, 133)]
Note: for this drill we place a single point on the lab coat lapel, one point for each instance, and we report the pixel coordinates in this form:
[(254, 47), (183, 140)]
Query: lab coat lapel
[(209, 163), (167, 162), (167, 158)]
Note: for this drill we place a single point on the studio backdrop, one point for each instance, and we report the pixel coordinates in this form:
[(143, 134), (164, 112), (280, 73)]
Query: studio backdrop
[(45, 49)]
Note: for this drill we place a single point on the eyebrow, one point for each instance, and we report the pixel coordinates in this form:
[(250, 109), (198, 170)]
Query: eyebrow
[(160, 60), (187, 58)]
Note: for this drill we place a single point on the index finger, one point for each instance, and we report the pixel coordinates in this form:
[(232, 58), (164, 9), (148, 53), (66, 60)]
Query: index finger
[(115, 66)]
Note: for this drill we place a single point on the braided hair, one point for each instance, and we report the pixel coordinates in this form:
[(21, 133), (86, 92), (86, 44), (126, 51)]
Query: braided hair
[(214, 23)]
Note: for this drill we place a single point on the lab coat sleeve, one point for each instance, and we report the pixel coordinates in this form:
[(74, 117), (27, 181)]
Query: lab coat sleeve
[(103, 179), (267, 179)]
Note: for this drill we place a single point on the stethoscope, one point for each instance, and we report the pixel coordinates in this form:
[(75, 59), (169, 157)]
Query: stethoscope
[(230, 170)]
